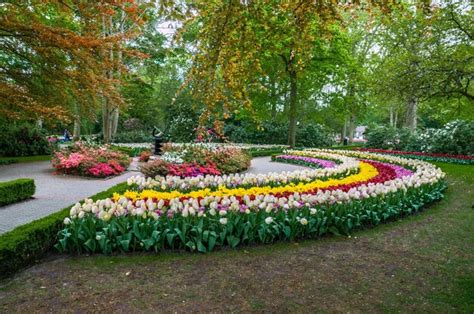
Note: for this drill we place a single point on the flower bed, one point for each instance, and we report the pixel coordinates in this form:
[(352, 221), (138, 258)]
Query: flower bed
[(87, 160), (457, 159), (195, 160), (207, 212), (305, 161), (346, 165)]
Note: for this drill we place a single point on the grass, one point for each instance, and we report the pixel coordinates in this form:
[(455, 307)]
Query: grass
[(422, 263), (24, 159)]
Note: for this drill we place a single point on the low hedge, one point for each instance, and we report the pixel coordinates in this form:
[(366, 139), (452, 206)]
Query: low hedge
[(264, 152), (8, 161), (28, 243), (16, 190), (130, 151)]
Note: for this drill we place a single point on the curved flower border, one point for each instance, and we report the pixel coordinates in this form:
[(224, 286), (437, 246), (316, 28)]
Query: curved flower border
[(200, 220)]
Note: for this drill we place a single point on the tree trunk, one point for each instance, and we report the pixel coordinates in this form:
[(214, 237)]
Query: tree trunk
[(411, 118), (395, 119), (344, 131), (273, 98), (76, 132), (115, 119), (293, 109), (108, 108), (391, 116), (352, 122)]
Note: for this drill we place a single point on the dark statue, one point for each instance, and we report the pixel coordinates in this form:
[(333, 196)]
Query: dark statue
[(158, 135)]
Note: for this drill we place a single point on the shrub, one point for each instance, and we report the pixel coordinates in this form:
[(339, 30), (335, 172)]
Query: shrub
[(274, 132), (28, 243), (130, 151), (138, 136), (16, 190), (90, 160), (314, 135), (23, 140), (454, 138), (160, 167), (196, 159), (230, 160), (8, 161), (389, 138), (144, 156)]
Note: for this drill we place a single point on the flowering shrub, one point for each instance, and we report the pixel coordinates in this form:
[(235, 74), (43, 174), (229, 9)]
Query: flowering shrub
[(455, 138), (197, 159), (153, 217), (192, 170), (160, 167), (144, 156), (90, 160)]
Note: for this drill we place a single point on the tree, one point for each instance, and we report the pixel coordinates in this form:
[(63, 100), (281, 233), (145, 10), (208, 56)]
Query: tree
[(54, 56), (426, 55), (237, 37)]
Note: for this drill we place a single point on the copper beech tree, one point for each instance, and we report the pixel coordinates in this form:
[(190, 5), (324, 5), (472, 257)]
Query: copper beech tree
[(61, 59), (235, 38)]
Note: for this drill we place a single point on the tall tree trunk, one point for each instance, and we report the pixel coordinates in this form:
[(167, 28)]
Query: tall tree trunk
[(76, 132), (411, 118), (293, 109), (116, 110), (395, 119), (273, 100), (115, 119), (391, 116), (352, 125), (344, 130), (107, 108)]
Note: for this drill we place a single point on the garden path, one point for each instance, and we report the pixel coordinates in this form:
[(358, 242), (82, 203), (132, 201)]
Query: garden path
[(264, 165), (54, 192)]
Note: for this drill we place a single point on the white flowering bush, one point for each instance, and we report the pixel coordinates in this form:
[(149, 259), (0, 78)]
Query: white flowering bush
[(456, 137)]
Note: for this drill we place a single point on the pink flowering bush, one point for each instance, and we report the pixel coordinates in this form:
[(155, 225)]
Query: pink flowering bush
[(88, 160)]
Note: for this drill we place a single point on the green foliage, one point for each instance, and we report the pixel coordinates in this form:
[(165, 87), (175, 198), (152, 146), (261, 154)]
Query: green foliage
[(204, 234), (136, 136), (23, 140), (130, 151), (8, 161), (16, 190), (314, 135), (454, 138), (28, 243), (309, 135), (388, 138), (263, 152)]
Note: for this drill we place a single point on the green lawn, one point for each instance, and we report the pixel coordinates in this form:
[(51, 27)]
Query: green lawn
[(423, 263)]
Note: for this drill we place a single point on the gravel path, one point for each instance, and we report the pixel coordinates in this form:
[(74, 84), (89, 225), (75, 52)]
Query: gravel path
[(54, 192)]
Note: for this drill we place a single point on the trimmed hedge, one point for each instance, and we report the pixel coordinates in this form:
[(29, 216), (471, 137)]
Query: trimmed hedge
[(28, 243), (264, 152), (16, 190), (8, 161)]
